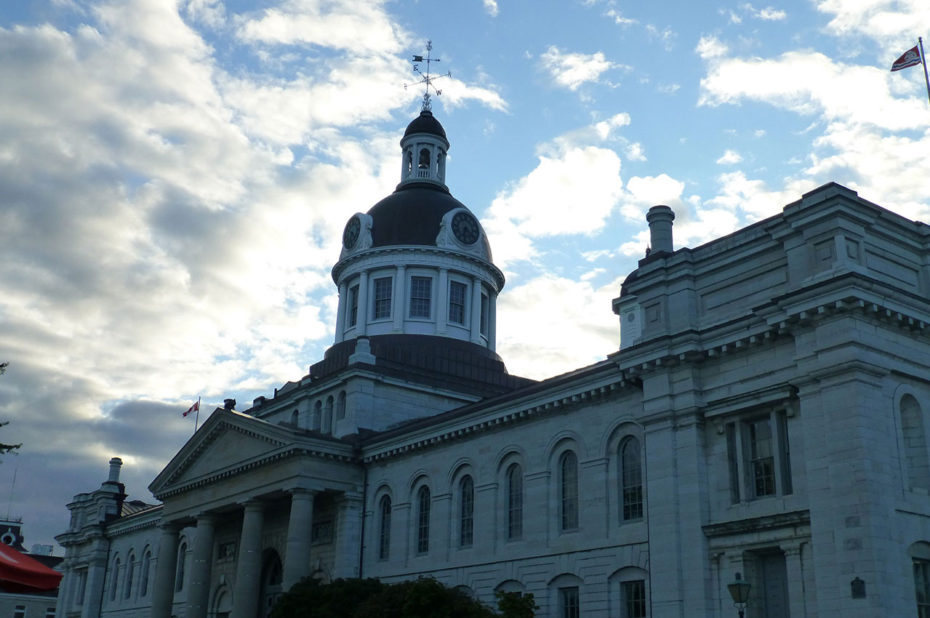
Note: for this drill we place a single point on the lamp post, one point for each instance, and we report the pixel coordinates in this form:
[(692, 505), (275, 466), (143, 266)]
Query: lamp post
[(739, 590)]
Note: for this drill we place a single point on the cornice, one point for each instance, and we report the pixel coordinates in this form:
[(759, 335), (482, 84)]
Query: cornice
[(492, 420), (344, 263), (758, 524)]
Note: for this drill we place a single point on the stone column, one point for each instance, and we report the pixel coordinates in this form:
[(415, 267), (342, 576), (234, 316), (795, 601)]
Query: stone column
[(361, 326), (299, 526), (64, 588), (399, 302), (341, 312), (442, 301), (96, 579), (163, 588), (348, 536), (198, 592), (249, 564), (475, 310), (492, 322)]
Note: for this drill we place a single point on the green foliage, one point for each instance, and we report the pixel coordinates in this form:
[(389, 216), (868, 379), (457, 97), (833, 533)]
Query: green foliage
[(6, 448), (370, 598)]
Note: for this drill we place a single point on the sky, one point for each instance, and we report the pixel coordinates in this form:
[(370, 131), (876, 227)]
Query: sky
[(175, 176)]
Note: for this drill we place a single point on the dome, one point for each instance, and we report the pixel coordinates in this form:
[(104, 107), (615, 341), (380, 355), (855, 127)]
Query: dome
[(412, 216), (425, 123)]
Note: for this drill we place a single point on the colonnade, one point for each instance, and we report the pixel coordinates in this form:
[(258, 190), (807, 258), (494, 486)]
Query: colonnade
[(248, 558)]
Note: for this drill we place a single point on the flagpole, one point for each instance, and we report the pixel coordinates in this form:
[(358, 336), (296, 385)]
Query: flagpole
[(923, 60), (197, 415)]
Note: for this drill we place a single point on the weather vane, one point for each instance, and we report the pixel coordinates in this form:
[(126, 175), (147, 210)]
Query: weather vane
[(427, 79)]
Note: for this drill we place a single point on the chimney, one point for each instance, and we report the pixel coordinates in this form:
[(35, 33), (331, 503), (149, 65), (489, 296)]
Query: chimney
[(660, 228), (115, 464)]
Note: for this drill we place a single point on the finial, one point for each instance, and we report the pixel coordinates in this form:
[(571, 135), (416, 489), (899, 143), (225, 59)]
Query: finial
[(426, 78)]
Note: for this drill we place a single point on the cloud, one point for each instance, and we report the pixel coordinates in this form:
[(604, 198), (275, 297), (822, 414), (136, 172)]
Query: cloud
[(491, 7), (572, 70), (710, 47), (729, 157), (880, 20), (360, 26), (765, 14), (578, 333)]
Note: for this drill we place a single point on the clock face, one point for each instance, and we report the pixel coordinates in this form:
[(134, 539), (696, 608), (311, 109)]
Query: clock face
[(350, 234), (465, 227)]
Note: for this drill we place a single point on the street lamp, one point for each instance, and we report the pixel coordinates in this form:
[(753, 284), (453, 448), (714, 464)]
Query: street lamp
[(739, 590)]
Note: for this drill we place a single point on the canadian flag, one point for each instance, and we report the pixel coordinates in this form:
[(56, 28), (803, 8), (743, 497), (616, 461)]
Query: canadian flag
[(193, 408), (908, 59)]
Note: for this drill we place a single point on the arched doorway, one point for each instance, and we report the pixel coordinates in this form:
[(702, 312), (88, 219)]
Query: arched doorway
[(271, 581)]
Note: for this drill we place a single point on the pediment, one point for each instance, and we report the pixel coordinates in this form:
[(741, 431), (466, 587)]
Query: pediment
[(228, 441)]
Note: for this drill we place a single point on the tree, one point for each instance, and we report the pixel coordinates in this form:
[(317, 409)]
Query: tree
[(371, 598), (6, 448)]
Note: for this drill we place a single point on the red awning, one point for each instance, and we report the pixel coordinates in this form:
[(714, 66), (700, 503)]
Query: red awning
[(23, 571)]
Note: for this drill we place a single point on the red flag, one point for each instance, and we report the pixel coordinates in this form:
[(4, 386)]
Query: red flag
[(193, 408), (908, 59)]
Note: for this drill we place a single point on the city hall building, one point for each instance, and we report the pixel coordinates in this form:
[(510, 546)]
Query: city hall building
[(766, 415)]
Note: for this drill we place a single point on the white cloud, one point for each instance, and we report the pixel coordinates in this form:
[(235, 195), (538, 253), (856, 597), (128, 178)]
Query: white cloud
[(572, 70), (577, 333), (883, 20), (811, 83), (491, 7), (360, 26), (765, 14), (729, 157), (710, 47)]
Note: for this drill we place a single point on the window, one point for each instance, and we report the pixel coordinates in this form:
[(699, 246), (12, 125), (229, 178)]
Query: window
[(915, 443), (341, 406), (317, 416), (569, 603), (423, 506), (384, 533), (179, 571), (144, 574), (352, 315), (568, 491), (130, 572), (514, 502), (633, 598), (421, 293), (114, 579), (382, 298), (758, 457), (423, 162), (19, 611), (922, 587), (328, 415), (631, 479), (457, 292), (466, 512), (484, 314)]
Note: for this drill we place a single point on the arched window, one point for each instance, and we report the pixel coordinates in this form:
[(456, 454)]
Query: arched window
[(130, 572), (341, 406), (423, 507), (317, 416), (179, 574), (466, 512), (423, 163), (568, 491), (328, 416), (384, 532), (631, 479), (915, 443), (295, 418), (514, 502), (114, 579), (144, 574)]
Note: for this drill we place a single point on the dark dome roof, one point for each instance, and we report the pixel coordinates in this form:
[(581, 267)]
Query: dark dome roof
[(425, 123), (411, 216)]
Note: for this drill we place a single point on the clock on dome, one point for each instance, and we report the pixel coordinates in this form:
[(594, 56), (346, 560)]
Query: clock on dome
[(465, 227), (351, 232)]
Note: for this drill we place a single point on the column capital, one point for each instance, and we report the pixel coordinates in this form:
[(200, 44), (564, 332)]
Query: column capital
[(302, 491)]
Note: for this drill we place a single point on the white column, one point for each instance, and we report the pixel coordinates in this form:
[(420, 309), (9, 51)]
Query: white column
[(249, 563), (348, 536), (361, 326), (492, 322), (341, 312), (297, 550), (198, 593), (442, 301), (399, 302), (64, 588), (93, 593), (165, 563), (476, 310)]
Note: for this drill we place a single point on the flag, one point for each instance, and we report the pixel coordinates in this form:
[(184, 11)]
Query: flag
[(908, 59), (193, 408)]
